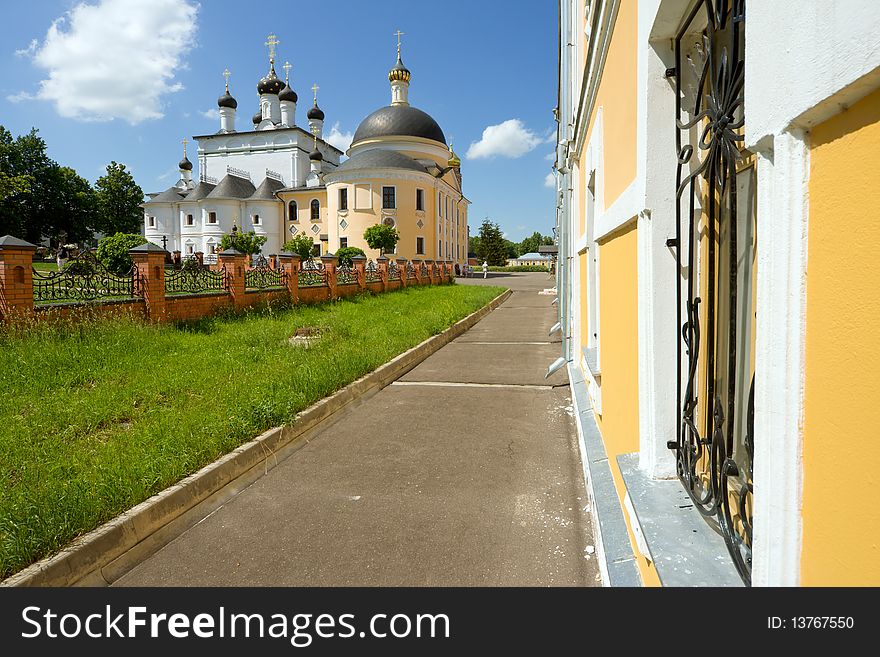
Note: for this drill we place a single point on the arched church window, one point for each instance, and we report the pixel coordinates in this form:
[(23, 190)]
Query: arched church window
[(291, 211), (316, 210)]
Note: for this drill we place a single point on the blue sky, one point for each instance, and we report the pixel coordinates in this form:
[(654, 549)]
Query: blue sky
[(126, 80)]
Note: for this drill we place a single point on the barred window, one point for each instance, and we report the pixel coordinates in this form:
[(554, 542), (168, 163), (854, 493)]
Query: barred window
[(316, 210), (389, 202), (291, 211)]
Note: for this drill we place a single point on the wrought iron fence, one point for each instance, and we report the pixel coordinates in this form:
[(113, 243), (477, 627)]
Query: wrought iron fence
[(263, 277), (372, 273), (312, 274), (410, 270), (423, 270), (393, 271), (84, 278), (346, 275), (194, 277)]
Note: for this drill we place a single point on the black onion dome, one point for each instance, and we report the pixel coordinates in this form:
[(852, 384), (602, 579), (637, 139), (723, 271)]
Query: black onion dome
[(226, 100), (399, 120), (185, 164), (258, 116), (315, 155), (288, 94), (315, 113), (270, 84)]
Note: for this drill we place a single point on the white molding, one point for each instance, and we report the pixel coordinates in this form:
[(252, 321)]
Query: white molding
[(624, 211), (783, 175)]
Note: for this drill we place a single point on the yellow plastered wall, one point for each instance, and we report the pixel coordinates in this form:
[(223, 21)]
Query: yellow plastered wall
[(841, 516), (619, 349), (584, 299), (617, 90)]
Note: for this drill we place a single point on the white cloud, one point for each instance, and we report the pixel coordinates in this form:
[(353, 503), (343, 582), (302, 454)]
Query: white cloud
[(115, 59), (509, 139), (550, 156), (30, 50), (550, 180), (213, 114), (342, 140)]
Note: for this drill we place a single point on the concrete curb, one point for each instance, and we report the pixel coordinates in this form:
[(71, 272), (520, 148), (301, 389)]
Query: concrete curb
[(105, 554)]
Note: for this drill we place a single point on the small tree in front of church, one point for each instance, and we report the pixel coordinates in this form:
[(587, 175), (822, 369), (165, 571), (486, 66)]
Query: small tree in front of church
[(346, 253), (113, 251), (492, 247), (119, 200), (382, 237), (248, 243), (300, 245)]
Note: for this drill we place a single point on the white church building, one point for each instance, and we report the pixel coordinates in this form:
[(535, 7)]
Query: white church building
[(279, 179)]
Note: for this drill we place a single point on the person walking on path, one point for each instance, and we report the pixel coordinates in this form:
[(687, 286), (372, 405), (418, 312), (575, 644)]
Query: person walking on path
[(485, 269), (62, 257)]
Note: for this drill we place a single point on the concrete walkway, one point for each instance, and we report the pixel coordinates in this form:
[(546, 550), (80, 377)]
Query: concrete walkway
[(463, 473)]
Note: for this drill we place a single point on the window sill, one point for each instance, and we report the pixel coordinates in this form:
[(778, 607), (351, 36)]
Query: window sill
[(685, 548)]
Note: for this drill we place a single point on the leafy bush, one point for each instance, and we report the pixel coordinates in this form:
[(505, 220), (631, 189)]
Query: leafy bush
[(345, 254), (248, 243), (382, 237), (300, 245), (113, 251)]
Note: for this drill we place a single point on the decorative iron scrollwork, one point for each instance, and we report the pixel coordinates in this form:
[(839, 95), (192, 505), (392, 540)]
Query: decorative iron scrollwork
[(84, 278), (194, 277), (312, 274), (410, 270), (393, 271), (423, 270), (714, 450), (345, 275), (264, 277), (372, 273)]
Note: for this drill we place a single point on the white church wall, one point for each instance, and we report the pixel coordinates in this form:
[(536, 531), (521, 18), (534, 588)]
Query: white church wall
[(270, 224)]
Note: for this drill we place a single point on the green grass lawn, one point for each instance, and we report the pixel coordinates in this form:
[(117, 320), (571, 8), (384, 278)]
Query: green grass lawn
[(96, 417), (46, 266)]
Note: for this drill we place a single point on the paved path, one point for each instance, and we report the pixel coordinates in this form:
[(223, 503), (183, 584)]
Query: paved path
[(465, 472)]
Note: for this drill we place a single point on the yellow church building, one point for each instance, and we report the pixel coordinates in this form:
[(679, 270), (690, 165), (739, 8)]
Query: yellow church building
[(718, 166)]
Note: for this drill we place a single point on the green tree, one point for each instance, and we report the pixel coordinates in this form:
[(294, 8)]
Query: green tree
[(382, 237), (119, 199), (248, 243), (12, 181), (345, 254), (492, 247), (300, 245), (75, 205), (29, 172), (474, 245), (113, 251)]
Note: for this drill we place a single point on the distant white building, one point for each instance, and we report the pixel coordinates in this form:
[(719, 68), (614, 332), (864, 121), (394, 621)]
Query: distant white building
[(530, 260)]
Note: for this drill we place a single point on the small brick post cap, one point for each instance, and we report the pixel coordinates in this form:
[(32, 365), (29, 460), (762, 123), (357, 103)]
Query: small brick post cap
[(229, 253), (358, 258), (10, 242)]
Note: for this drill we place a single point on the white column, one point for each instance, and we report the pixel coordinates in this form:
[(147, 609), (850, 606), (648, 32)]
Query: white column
[(288, 113), (227, 119), (783, 173)]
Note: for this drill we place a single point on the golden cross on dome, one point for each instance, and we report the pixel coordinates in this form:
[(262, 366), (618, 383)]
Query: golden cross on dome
[(227, 74), (184, 142), (287, 66), (315, 88), (399, 34), (272, 41)]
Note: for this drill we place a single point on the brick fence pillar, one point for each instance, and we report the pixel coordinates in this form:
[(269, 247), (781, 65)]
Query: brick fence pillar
[(359, 267), (330, 261), (382, 265), (16, 276), (290, 263), (233, 260), (401, 267), (149, 266)]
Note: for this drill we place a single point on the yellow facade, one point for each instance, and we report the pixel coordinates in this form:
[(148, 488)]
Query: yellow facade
[(841, 546)]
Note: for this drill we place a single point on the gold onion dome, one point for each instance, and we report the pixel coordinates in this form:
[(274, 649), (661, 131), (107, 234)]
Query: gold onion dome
[(399, 73), (454, 160)]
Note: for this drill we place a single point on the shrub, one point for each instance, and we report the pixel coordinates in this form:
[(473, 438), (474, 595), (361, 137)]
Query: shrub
[(301, 245), (345, 254), (248, 243), (113, 251), (382, 237)]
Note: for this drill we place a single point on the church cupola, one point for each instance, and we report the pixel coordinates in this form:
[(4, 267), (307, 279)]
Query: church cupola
[(228, 106), (316, 160), (269, 87), (185, 167), (288, 99), (316, 116), (399, 77), (454, 160), (257, 118)]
